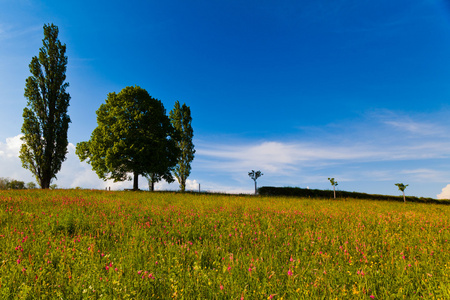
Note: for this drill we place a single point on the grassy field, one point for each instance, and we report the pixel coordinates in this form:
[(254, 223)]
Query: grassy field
[(137, 245)]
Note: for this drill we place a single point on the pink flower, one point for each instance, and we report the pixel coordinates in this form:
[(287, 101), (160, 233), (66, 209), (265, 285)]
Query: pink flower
[(221, 287), (289, 272), (249, 269), (372, 297)]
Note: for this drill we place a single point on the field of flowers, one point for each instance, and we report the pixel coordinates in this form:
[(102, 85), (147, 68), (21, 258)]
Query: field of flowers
[(68, 244)]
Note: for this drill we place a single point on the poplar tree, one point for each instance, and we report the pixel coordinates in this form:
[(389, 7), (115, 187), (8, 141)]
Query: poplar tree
[(181, 120), (46, 120)]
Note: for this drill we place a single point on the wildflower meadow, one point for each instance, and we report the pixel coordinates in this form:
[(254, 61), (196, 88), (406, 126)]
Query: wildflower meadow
[(79, 244)]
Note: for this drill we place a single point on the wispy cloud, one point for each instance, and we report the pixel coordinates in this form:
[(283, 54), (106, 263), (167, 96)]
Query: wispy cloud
[(418, 128), (374, 148), (353, 155), (425, 174), (278, 156), (8, 31)]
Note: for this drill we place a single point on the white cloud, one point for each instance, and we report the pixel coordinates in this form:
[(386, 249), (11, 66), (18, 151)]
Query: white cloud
[(445, 194), (11, 166), (378, 148), (191, 185), (12, 147), (284, 158)]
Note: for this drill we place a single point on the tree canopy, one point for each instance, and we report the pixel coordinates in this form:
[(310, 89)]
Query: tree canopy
[(181, 120), (46, 120), (134, 135)]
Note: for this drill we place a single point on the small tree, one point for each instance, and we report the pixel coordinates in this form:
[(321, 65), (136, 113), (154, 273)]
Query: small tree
[(334, 184), (4, 183), (402, 188), (16, 185), (255, 175), (31, 185)]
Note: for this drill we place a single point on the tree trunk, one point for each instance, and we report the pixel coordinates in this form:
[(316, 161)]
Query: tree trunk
[(135, 181), (45, 182), (404, 198), (334, 191), (183, 184), (256, 189)]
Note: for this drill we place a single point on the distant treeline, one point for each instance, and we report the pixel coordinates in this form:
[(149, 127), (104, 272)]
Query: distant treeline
[(12, 184), (327, 194)]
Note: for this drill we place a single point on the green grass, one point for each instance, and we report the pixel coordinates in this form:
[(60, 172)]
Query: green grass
[(124, 245)]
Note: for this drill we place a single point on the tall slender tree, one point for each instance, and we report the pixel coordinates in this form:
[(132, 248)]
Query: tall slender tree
[(46, 120), (181, 120)]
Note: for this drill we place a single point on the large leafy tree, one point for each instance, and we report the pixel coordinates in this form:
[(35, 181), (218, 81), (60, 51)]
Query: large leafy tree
[(134, 135), (181, 120), (46, 121)]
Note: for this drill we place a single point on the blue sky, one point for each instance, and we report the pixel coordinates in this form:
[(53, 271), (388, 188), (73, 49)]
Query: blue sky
[(301, 90)]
